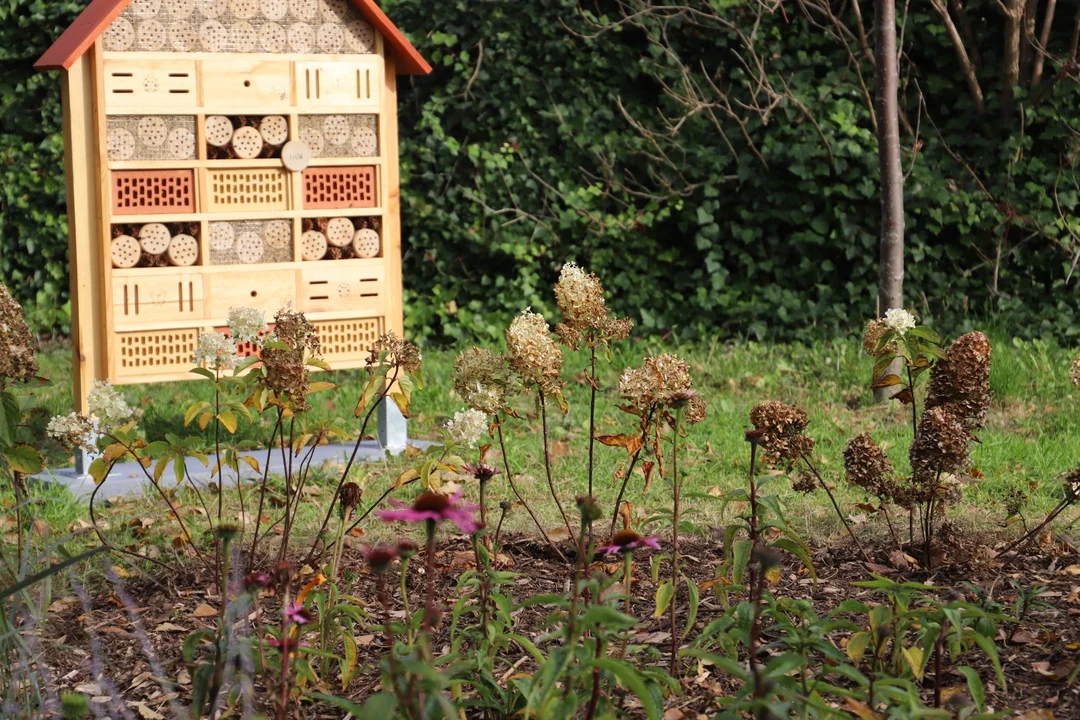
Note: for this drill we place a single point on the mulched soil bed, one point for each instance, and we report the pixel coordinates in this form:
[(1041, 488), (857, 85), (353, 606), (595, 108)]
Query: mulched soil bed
[(124, 648)]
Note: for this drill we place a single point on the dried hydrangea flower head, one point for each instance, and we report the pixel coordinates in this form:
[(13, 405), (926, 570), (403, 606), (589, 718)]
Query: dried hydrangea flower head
[(285, 369), (661, 380), (466, 427), (960, 382), (586, 317), (483, 380), (533, 354), (690, 402), (394, 351), (216, 352), (867, 466), (899, 320), (73, 431), (1072, 483), (941, 445), (875, 330), (780, 430), (247, 325), (350, 495), (107, 406), (1074, 372), (17, 361)]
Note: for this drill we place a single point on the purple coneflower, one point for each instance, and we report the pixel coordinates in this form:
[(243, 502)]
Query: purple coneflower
[(626, 541), (288, 645), (480, 471), (380, 557), (432, 507), (297, 614)]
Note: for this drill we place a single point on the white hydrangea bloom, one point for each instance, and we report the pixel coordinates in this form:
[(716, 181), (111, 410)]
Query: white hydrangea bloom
[(899, 320), (72, 431), (216, 352), (246, 323), (108, 406), (467, 427)]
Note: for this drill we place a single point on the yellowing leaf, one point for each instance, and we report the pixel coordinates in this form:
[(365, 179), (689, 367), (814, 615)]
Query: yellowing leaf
[(857, 645), (203, 611), (632, 443), (914, 657), (228, 420)]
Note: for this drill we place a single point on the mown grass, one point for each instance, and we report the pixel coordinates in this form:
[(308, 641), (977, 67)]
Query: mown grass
[(1032, 435)]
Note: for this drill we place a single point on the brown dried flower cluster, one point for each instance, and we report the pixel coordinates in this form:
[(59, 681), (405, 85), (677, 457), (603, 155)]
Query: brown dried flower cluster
[(960, 383), (804, 483), (867, 466), (1074, 372), (285, 371), (780, 430), (663, 380), (395, 351), (941, 446), (1072, 483), (875, 330), (586, 317), (483, 380), (533, 354), (17, 361)]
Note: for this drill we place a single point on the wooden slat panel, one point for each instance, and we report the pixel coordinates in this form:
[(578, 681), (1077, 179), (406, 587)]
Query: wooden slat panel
[(324, 287), (148, 85), (241, 83)]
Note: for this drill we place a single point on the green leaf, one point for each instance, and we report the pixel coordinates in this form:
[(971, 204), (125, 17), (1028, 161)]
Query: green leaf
[(695, 598), (348, 659), (9, 418), (204, 373), (25, 459), (987, 646), (975, 686), (228, 421), (629, 678), (741, 556), (664, 593), (857, 645), (608, 618), (99, 470)]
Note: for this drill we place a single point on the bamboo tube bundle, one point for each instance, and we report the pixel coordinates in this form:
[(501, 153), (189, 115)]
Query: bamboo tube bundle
[(245, 137)]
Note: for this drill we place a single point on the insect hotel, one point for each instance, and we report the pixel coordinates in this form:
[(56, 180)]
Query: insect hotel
[(227, 153)]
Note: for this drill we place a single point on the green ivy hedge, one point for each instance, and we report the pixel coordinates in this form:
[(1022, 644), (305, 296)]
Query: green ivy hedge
[(521, 152)]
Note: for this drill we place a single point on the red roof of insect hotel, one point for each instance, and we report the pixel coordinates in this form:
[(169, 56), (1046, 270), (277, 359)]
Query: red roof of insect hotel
[(93, 21)]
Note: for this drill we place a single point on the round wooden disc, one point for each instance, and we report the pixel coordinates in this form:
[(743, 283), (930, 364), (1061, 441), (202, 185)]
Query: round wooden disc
[(277, 234), (222, 236), (365, 143), (366, 243), (272, 37), (339, 231), (313, 139), (274, 129), (152, 131), (334, 11), (120, 35), (359, 37), (213, 36), (295, 155), (144, 8), (125, 252), (150, 35), (244, 9), (274, 9), (313, 245), (244, 37), (121, 144), (301, 37), (249, 247), (303, 9), (183, 250), (219, 130), (181, 144), (330, 37), (336, 129), (183, 36), (154, 238), (212, 9), (178, 9)]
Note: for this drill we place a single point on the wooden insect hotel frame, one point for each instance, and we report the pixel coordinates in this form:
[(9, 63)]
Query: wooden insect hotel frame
[(225, 153)]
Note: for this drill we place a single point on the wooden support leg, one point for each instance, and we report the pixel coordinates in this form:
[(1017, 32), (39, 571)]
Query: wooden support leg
[(393, 428)]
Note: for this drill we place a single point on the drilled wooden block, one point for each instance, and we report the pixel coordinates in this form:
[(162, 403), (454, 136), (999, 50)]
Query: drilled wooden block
[(348, 340), (136, 192), (247, 190), (154, 353), (340, 187)]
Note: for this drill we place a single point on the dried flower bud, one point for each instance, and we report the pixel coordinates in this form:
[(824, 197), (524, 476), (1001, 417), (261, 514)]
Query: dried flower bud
[(350, 495), (804, 483), (226, 532), (256, 581), (586, 318), (533, 354), (765, 558), (282, 575), (589, 509), (483, 380), (380, 557), (875, 330), (395, 352), (407, 548), (285, 369), (17, 361), (660, 380), (960, 382)]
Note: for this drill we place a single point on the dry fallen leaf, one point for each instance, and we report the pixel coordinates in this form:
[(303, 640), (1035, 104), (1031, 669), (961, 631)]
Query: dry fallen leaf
[(170, 627), (1036, 715), (147, 714), (204, 611)]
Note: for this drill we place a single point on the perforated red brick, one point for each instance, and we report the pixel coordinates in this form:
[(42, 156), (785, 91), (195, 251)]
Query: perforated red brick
[(136, 192), (340, 187)]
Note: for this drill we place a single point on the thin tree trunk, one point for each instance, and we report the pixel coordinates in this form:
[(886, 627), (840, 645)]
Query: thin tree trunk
[(1027, 47), (1044, 42), (891, 260), (969, 37), (1014, 14), (966, 66)]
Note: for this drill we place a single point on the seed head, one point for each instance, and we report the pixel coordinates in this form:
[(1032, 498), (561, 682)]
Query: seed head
[(875, 330), (867, 466), (17, 361), (781, 428), (533, 354), (285, 369), (350, 495), (662, 380), (586, 318), (941, 446), (960, 382), (396, 352)]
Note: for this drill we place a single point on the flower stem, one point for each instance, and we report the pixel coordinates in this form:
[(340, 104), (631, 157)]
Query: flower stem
[(520, 497), (429, 577), (675, 490), (630, 470), (547, 465), (836, 507), (592, 420), (262, 488)]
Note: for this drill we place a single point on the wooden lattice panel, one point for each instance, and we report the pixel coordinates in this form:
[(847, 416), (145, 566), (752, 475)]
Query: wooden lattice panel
[(155, 353), (247, 190), (348, 340), (136, 192), (340, 188)]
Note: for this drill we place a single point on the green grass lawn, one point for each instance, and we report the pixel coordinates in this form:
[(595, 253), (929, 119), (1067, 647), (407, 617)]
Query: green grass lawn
[(1031, 437)]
